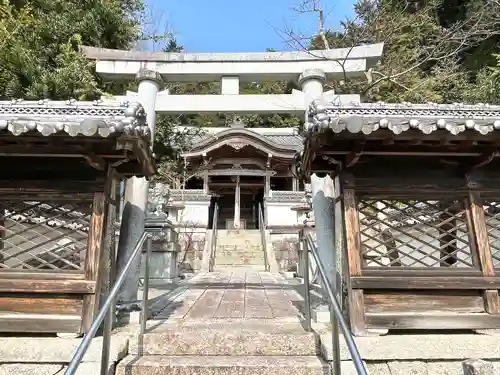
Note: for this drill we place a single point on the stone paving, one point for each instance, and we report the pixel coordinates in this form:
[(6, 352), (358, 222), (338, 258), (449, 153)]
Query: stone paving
[(232, 294)]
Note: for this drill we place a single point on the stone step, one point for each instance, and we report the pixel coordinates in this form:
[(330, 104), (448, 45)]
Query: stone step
[(231, 243), (239, 242), (240, 256), (271, 325), (225, 342), (239, 267), (85, 368), (253, 237), (238, 233), (57, 350), (239, 250), (239, 264), (239, 259), (195, 365)]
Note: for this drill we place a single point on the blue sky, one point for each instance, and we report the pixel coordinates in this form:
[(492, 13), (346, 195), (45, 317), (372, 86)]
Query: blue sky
[(239, 25)]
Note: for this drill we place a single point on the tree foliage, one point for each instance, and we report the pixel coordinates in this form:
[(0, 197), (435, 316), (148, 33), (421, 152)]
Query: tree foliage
[(434, 50), (39, 42)]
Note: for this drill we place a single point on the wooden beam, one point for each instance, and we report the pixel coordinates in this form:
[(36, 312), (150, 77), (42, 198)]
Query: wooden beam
[(484, 255), (93, 256), (354, 262), (432, 321), (41, 304), (420, 272), (353, 157), (95, 161), (46, 286), (138, 149), (12, 273), (39, 323), (423, 282), (109, 255), (62, 189), (423, 302)]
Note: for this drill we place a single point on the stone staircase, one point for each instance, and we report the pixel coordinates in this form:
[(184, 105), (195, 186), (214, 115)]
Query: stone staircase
[(238, 347), (241, 248), (233, 322)]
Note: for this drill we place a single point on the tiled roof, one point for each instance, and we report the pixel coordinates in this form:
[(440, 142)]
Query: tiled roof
[(282, 137), (105, 118), (369, 117), (288, 140)]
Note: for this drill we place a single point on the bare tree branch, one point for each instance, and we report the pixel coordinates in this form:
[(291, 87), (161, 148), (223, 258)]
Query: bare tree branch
[(375, 23)]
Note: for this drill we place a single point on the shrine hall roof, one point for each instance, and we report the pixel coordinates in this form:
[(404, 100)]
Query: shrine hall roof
[(284, 137), (105, 118), (369, 117)]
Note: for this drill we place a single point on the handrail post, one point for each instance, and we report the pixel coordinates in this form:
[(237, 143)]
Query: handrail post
[(106, 341), (307, 289), (263, 236), (339, 319), (145, 291), (105, 310), (337, 368), (213, 244)]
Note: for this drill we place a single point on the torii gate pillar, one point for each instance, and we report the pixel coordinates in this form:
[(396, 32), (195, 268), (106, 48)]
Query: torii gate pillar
[(136, 195)]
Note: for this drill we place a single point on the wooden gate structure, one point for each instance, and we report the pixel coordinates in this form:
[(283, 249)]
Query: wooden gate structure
[(420, 190), (60, 162)]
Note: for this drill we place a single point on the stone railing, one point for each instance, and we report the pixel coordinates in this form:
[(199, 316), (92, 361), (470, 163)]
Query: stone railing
[(285, 196), (183, 195)]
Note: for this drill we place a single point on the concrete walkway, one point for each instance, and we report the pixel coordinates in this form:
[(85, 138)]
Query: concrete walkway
[(232, 294)]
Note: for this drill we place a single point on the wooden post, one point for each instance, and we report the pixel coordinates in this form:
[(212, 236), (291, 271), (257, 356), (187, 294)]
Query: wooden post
[(205, 182), (109, 251), (354, 262), (267, 184), (491, 298), (2, 234), (97, 259)]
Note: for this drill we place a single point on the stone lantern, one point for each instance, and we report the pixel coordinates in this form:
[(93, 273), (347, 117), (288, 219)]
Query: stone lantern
[(163, 265)]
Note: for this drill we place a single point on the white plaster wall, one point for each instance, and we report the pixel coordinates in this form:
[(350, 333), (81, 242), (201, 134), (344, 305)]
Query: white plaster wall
[(194, 214), (281, 214)]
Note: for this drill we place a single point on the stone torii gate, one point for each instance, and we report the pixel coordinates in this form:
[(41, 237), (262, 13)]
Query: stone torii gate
[(311, 69)]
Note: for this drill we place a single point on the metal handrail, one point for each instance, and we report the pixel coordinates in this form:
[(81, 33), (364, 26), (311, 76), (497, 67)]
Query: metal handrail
[(215, 226), (263, 236), (337, 318), (106, 311)]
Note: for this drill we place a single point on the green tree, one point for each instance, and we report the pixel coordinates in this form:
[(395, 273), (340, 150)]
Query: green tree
[(434, 50), (39, 42)]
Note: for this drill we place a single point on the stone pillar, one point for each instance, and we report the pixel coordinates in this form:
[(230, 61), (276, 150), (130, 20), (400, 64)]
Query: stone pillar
[(237, 203), (323, 205), (312, 83), (136, 196), (267, 185)]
